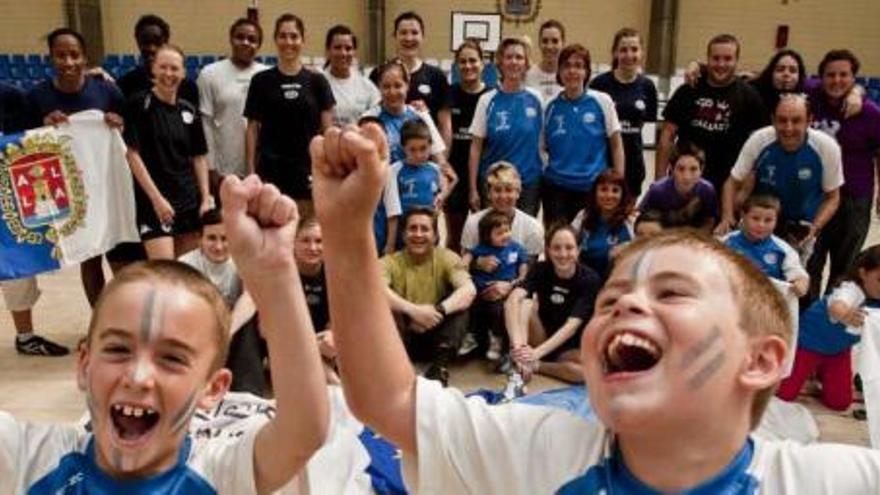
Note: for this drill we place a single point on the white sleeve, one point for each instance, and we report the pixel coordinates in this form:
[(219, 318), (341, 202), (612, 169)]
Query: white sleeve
[(478, 123), (468, 446), (206, 108), (578, 221), (227, 461), (848, 293), (375, 97), (819, 468), (792, 268), (832, 163), (438, 147), (391, 197), (612, 123), (469, 234), (745, 162), (29, 451), (533, 240)]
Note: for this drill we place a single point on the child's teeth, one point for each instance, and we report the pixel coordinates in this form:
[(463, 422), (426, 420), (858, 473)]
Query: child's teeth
[(138, 412), (126, 410)]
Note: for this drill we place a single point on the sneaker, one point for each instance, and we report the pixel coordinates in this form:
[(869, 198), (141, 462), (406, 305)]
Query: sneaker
[(494, 351), (468, 344), (38, 346), (515, 388), (505, 365), (438, 372)]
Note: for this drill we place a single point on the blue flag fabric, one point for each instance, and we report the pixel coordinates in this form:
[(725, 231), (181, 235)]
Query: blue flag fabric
[(66, 195)]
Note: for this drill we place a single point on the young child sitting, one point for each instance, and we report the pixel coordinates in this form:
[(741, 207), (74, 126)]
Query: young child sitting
[(154, 353), (755, 239), (512, 264), (387, 212), (828, 330), (685, 197), (212, 258), (680, 358), (648, 223)]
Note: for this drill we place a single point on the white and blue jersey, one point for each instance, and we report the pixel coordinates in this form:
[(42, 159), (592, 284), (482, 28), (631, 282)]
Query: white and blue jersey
[(510, 126), (775, 257), (576, 134), (468, 446), (388, 207), (510, 257), (60, 459), (596, 244), (817, 332), (418, 185), (799, 178), (394, 123)]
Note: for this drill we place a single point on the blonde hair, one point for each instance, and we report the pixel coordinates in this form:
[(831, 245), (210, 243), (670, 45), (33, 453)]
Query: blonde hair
[(761, 309), (501, 174), (178, 274)]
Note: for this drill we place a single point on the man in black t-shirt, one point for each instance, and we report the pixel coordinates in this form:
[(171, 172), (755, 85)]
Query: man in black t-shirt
[(427, 83), (151, 32), (718, 114)]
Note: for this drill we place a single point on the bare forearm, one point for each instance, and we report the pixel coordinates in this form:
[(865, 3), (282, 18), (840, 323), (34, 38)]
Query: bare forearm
[(250, 145), (460, 299), (514, 319), (474, 162), (300, 427), (378, 378), (618, 158), (557, 339), (444, 119), (826, 209), (142, 175), (664, 150), (200, 167), (728, 193)]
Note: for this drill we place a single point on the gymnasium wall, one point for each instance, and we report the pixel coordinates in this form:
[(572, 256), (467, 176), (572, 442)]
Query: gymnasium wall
[(815, 26), (590, 22), (24, 25)]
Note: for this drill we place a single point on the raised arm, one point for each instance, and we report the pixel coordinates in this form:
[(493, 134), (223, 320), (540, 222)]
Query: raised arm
[(261, 224), (377, 377)]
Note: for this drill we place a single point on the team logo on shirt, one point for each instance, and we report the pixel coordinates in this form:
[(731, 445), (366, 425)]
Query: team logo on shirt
[(771, 258), (640, 104), (557, 298), (41, 186), (589, 117), (291, 90), (424, 89), (805, 174), (531, 112), (187, 117), (560, 125), (503, 120), (613, 239), (511, 257)]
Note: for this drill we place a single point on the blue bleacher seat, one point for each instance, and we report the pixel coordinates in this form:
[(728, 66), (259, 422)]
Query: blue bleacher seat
[(192, 73), (18, 59), (17, 72), (49, 71), (192, 61), (35, 59), (112, 61), (129, 60), (4, 72), (5, 60), (35, 71), (874, 82), (208, 59), (271, 60)]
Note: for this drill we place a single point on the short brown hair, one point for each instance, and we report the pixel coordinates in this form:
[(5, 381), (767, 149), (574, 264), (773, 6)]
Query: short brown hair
[(502, 173), (489, 222), (178, 274), (761, 201), (837, 56), (761, 308), (575, 50), (722, 39), (507, 43)]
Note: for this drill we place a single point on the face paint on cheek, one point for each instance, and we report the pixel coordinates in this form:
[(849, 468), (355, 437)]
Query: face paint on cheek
[(706, 373), (181, 419), (700, 348)]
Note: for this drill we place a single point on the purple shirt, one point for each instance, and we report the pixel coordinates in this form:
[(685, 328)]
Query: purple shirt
[(663, 197), (858, 137)]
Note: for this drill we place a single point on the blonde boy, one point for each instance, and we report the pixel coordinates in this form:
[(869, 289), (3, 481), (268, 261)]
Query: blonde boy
[(155, 349), (686, 346)]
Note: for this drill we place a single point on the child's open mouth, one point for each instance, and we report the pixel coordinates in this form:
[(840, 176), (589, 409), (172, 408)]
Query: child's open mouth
[(628, 352), (133, 423)]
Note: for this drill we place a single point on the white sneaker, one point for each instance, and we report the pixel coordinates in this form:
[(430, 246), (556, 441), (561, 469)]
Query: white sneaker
[(494, 351), (515, 388), (468, 344)]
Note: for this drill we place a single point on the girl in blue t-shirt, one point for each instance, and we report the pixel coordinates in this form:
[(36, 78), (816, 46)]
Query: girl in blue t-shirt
[(511, 263), (829, 328), (604, 223), (582, 137)]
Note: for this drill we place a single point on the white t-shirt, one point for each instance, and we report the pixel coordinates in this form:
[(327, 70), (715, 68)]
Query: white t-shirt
[(467, 446), (224, 275), (543, 82), (353, 96), (54, 458), (223, 89), (525, 229)]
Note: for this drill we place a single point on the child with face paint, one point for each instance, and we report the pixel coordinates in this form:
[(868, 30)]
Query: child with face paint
[(154, 354), (828, 330), (685, 348)]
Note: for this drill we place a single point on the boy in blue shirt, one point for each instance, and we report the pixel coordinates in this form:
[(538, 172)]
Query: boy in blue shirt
[(420, 182), (154, 354), (512, 265), (755, 239)]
